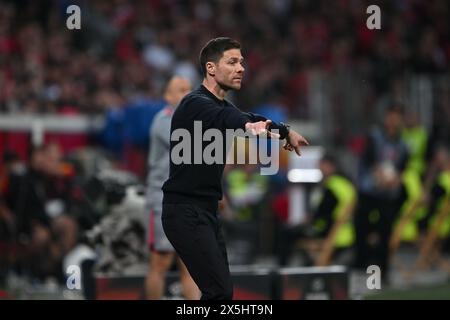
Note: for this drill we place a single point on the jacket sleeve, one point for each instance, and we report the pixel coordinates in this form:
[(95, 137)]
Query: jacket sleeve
[(160, 130), (281, 127), (214, 116), (229, 117)]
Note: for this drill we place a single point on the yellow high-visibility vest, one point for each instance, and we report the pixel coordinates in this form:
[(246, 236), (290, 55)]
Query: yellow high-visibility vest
[(414, 190), (444, 182), (238, 181), (416, 139), (345, 193)]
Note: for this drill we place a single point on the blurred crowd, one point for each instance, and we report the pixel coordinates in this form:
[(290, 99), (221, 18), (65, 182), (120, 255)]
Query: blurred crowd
[(50, 207), (306, 60), (126, 51), (34, 203), (399, 198), (58, 210)]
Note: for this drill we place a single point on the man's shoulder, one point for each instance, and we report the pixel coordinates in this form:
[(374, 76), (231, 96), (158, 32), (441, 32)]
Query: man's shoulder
[(191, 104), (165, 113), (196, 96), (161, 117)]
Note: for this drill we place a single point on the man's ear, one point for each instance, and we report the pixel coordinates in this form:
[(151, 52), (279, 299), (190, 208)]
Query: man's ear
[(211, 68)]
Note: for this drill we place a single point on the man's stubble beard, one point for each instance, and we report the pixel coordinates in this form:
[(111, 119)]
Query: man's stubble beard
[(227, 88)]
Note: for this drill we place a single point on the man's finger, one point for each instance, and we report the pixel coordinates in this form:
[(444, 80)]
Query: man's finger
[(273, 135), (297, 151), (304, 141)]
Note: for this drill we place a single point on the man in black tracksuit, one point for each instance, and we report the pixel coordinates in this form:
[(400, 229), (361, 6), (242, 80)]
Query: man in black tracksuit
[(192, 192)]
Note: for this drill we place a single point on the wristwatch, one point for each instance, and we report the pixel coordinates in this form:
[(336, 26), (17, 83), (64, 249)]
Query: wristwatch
[(287, 128)]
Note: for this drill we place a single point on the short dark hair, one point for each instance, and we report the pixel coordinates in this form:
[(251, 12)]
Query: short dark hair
[(35, 149), (214, 50), (330, 157), (395, 108)]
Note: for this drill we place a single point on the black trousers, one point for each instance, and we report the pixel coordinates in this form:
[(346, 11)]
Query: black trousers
[(196, 234), (367, 254)]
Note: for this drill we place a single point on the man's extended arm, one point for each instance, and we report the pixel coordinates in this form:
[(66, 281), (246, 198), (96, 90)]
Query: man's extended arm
[(233, 118), (293, 139)]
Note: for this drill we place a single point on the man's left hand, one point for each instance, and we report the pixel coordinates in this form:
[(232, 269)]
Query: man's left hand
[(294, 141)]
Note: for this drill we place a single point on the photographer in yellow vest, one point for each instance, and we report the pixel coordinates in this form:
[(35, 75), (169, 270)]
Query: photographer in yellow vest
[(336, 193)]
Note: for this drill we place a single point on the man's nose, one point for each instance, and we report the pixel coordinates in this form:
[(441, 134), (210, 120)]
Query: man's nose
[(241, 68)]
